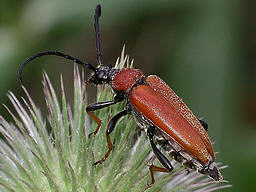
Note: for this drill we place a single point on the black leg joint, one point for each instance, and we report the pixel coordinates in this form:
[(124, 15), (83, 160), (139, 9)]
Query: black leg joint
[(119, 96)]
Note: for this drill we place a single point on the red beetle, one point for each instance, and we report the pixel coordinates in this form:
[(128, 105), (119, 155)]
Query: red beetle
[(156, 108)]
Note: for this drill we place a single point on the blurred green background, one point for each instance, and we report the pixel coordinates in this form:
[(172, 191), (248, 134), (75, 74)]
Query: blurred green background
[(205, 50)]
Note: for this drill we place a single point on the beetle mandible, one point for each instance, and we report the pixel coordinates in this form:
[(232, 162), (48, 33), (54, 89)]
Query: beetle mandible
[(155, 107)]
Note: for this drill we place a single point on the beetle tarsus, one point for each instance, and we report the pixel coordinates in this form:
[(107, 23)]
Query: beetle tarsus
[(110, 128), (152, 169), (97, 120), (110, 148)]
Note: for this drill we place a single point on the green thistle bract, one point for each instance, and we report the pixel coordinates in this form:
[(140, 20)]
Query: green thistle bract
[(31, 159)]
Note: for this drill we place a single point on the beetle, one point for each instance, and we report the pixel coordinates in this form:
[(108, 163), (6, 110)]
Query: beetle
[(156, 108)]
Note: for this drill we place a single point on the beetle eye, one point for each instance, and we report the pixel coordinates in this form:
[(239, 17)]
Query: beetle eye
[(101, 74), (105, 76)]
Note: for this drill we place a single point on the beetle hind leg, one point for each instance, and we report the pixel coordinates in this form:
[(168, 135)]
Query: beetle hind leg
[(152, 169), (163, 160)]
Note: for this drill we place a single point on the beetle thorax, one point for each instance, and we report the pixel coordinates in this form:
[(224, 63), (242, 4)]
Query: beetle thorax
[(125, 79)]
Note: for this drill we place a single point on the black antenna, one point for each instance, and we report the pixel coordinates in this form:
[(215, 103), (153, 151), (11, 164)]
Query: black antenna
[(56, 53), (96, 26)]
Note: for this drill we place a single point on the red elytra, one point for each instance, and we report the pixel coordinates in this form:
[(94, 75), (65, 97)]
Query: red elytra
[(156, 108), (159, 103)]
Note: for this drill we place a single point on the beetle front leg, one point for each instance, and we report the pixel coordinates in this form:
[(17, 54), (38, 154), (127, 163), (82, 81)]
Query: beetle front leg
[(94, 107), (101, 105), (163, 160), (110, 128)]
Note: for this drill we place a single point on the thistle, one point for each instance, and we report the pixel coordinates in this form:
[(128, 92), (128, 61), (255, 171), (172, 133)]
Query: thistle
[(56, 154)]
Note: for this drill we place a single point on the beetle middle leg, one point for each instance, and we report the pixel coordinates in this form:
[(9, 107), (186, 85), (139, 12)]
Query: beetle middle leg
[(163, 160), (110, 128)]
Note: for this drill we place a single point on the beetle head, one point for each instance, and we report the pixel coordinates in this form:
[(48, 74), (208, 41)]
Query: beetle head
[(102, 74)]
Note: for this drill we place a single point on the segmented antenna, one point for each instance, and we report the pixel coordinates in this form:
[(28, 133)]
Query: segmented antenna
[(96, 26), (56, 53)]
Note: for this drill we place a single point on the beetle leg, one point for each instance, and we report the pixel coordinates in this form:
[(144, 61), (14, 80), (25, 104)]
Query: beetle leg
[(94, 107), (153, 168), (110, 128), (163, 160), (204, 124), (97, 120), (101, 105)]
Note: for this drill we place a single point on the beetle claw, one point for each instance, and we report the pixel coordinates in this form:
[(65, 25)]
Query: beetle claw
[(148, 186), (187, 171), (97, 162), (92, 133)]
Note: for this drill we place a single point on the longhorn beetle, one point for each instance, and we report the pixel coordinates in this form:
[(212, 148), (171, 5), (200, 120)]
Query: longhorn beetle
[(155, 107)]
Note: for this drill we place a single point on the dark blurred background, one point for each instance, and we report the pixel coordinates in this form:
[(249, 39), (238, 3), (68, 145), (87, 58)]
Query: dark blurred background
[(205, 50)]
